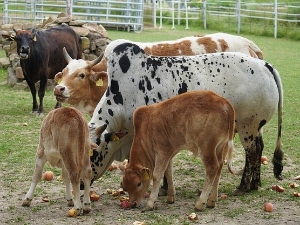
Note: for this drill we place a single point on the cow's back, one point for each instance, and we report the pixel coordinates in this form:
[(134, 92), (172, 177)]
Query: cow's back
[(138, 79), (64, 128)]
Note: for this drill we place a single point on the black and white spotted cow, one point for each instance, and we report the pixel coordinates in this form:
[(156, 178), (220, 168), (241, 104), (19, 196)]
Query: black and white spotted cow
[(252, 86)]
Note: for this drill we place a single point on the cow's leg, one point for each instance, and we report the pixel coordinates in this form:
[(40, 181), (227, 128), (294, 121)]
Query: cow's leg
[(33, 93), (87, 174), (256, 182), (164, 188), (38, 172), (66, 179), (221, 154), (248, 171), (171, 188), (211, 165), (74, 175), (43, 83), (161, 164)]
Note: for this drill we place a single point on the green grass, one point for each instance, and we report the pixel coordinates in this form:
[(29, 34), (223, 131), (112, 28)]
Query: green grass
[(18, 145)]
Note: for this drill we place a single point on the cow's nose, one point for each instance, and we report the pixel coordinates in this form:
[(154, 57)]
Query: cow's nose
[(25, 48), (58, 90)]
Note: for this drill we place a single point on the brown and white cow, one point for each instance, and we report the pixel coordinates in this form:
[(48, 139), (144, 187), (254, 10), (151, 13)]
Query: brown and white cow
[(82, 83), (65, 143), (200, 121)]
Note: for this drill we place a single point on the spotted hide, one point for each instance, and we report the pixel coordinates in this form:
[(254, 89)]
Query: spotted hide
[(251, 85), (82, 83)]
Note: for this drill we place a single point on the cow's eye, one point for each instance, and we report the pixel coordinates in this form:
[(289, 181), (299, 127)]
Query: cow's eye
[(139, 184), (81, 75)]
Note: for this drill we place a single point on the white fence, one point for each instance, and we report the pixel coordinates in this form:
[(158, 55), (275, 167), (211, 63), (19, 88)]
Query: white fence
[(237, 14), (117, 13)]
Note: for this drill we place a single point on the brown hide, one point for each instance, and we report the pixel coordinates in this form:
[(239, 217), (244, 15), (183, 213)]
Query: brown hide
[(65, 143), (200, 121)]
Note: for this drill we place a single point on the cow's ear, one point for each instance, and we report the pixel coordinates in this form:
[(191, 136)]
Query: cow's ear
[(34, 31), (146, 173), (99, 78), (58, 77), (114, 136), (99, 130), (9, 37)]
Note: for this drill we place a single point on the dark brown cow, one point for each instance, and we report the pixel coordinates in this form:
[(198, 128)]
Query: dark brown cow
[(200, 121), (41, 56)]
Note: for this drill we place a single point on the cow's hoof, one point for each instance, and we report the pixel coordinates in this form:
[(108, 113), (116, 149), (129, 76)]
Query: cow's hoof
[(238, 192), (70, 202), (26, 202), (162, 192), (86, 210)]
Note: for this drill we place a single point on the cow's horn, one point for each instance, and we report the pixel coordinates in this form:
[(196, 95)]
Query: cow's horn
[(66, 55), (95, 61)]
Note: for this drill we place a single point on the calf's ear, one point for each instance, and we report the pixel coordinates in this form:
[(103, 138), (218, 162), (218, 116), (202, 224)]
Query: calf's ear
[(146, 173)]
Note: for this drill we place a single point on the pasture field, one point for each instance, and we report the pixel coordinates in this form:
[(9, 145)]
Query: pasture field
[(18, 146)]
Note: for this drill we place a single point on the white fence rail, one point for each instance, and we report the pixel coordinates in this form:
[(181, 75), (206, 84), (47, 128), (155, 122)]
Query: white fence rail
[(118, 13), (241, 14), (237, 14)]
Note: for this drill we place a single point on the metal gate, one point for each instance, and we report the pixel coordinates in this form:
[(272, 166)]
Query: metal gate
[(119, 13)]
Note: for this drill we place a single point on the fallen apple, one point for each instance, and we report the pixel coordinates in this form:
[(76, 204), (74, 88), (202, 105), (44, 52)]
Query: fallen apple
[(193, 216), (112, 167), (125, 204), (72, 212), (94, 197), (48, 175), (139, 223), (223, 196), (296, 194), (123, 198), (277, 188), (297, 177), (45, 199), (294, 185), (268, 207), (264, 158)]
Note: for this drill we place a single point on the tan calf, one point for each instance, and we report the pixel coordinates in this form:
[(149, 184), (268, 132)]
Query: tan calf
[(65, 143), (200, 121)]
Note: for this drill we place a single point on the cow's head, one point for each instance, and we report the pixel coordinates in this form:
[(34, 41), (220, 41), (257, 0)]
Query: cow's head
[(107, 143), (136, 181), (78, 82), (25, 40)]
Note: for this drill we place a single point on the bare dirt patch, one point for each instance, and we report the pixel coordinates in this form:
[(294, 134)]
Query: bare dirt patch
[(189, 177)]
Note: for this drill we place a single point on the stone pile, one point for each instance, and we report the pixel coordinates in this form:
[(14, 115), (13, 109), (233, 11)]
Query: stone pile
[(94, 41)]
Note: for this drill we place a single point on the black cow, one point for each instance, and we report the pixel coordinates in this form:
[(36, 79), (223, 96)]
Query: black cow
[(41, 56)]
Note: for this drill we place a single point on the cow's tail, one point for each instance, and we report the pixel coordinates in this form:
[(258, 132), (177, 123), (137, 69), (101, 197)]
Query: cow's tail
[(278, 153), (230, 140)]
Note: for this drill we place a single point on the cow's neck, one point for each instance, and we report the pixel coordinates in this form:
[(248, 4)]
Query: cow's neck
[(142, 156)]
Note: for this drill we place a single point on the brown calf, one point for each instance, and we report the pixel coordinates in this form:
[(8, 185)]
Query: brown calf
[(200, 121), (65, 143)]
